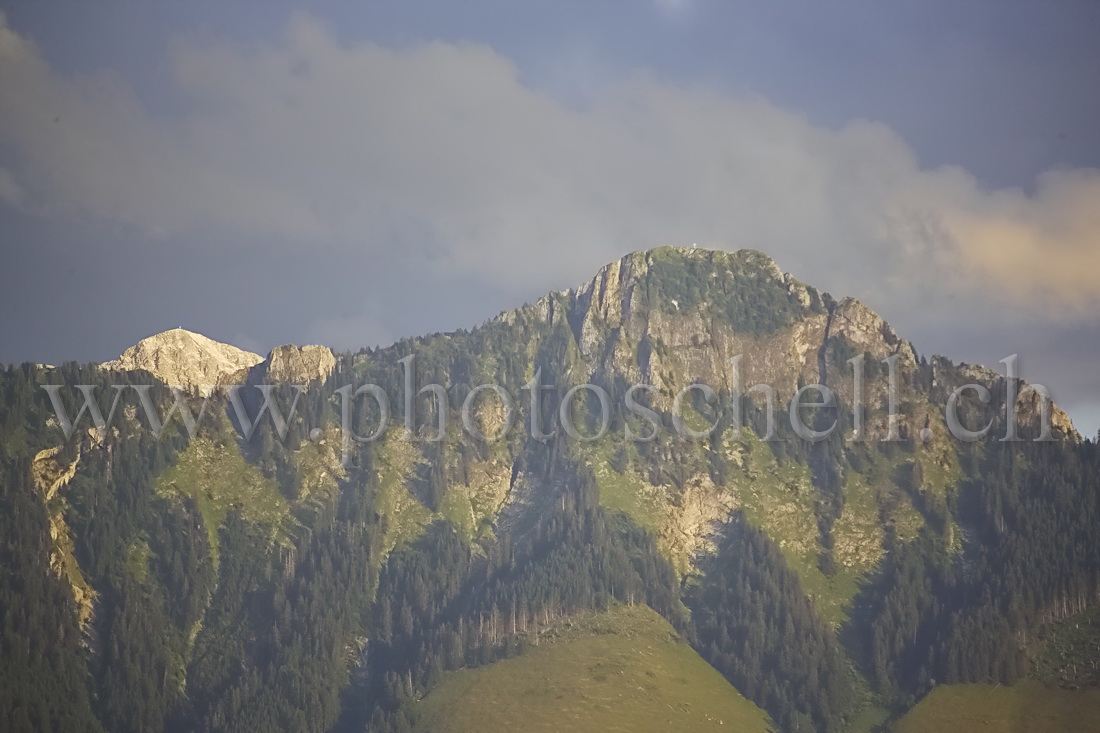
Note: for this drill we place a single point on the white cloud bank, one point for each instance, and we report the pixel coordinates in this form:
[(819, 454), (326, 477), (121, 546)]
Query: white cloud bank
[(442, 148)]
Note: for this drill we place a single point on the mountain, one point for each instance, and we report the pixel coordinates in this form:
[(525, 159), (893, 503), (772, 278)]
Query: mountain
[(337, 574), (190, 360), (182, 358)]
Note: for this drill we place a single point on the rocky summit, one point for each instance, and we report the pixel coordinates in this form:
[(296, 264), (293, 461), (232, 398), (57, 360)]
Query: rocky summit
[(186, 359)]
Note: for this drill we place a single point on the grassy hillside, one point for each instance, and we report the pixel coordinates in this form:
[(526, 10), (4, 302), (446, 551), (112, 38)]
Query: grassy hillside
[(1028, 706), (1062, 694), (624, 670), (218, 478)]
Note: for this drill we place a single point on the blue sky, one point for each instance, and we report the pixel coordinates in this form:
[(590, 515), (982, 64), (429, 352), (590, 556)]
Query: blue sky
[(365, 171)]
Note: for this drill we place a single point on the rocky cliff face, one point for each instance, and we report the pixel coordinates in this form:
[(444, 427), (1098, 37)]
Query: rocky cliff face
[(296, 364), (674, 315), (52, 471), (947, 376), (189, 360), (662, 313)]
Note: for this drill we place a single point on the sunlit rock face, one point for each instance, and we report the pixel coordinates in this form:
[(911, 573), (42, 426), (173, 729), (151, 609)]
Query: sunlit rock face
[(190, 360), (296, 364)]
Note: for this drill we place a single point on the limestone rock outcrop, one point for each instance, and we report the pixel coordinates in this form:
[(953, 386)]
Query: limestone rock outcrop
[(296, 364), (190, 360)]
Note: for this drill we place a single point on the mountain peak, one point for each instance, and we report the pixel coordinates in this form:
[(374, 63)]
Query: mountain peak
[(752, 258), (187, 359), (681, 263)]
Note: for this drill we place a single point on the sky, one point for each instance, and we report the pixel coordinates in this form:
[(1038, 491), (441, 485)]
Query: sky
[(359, 172)]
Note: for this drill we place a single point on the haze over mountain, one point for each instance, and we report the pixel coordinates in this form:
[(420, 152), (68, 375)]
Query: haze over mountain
[(219, 581)]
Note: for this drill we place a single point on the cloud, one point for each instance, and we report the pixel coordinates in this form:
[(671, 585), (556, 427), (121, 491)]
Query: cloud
[(11, 193), (440, 149), (1043, 248), (89, 147), (673, 7)]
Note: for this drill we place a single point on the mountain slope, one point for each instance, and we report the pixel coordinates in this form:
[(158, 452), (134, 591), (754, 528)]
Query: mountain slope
[(1026, 706), (623, 670)]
